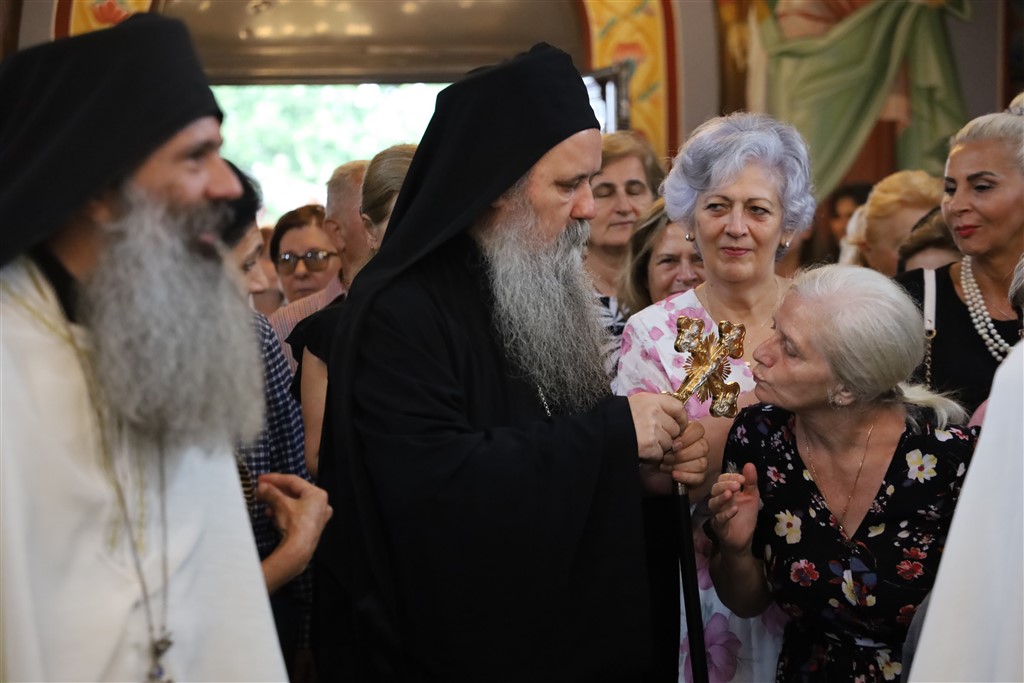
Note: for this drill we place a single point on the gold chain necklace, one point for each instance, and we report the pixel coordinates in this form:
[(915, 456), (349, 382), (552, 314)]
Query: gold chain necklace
[(158, 644), (856, 480)]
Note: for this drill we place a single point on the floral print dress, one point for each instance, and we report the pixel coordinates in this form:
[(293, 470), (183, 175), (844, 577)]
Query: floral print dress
[(738, 649), (850, 599)]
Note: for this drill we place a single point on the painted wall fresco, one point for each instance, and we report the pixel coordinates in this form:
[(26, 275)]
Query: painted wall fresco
[(833, 68), (639, 33), (73, 17)]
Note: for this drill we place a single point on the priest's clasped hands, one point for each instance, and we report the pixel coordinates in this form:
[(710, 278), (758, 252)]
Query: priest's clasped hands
[(665, 438)]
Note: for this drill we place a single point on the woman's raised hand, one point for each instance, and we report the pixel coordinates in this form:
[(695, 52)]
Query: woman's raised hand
[(735, 501)]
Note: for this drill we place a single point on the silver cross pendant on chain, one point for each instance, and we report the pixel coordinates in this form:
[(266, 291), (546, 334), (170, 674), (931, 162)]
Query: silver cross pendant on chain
[(157, 650)]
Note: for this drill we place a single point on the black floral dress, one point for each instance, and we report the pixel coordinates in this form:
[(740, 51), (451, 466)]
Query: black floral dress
[(851, 599)]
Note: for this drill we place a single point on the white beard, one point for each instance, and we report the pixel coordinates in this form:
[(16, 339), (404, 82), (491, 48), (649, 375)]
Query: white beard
[(545, 309), (175, 352)]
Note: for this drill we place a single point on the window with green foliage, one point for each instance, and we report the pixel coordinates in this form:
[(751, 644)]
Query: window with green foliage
[(291, 137)]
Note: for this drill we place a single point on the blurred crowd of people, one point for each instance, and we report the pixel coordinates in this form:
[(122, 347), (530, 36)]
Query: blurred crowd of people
[(446, 394)]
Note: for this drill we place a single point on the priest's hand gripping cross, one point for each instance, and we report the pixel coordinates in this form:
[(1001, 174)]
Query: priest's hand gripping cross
[(707, 368)]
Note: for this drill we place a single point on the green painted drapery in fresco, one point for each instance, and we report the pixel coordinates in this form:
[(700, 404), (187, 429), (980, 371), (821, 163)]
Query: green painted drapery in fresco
[(833, 87)]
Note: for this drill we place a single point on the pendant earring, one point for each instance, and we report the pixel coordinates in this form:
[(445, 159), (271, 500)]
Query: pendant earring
[(834, 400)]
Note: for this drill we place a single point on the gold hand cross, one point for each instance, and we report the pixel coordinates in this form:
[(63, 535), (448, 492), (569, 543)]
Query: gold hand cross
[(707, 367)]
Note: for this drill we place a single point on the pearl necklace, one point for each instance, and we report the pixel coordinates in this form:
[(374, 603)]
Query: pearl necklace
[(979, 312)]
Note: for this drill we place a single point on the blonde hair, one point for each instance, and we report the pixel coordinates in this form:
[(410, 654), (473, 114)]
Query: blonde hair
[(383, 180), (628, 143), (897, 191), (1017, 105), (1016, 294), (850, 254)]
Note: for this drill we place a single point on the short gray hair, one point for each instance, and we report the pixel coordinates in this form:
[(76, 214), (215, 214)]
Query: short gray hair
[(872, 336), (1007, 127), (345, 186), (721, 147)]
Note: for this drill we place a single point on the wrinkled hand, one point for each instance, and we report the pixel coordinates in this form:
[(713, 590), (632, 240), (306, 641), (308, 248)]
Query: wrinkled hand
[(687, 460), (735, 501), (658, 419), (300, 511)]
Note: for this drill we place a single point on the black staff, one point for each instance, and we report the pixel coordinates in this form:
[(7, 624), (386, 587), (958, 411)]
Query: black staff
[(691, 593), (706, 371)]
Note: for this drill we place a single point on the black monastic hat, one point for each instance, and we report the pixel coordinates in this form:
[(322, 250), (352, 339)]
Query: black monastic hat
[(487, 131), (80, 114)]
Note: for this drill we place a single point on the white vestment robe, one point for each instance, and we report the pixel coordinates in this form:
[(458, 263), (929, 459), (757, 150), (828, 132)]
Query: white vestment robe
[(974, 627), (71, 604)]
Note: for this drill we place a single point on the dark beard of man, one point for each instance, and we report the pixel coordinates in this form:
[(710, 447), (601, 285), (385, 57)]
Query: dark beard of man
[(545, 311), (175, 353)]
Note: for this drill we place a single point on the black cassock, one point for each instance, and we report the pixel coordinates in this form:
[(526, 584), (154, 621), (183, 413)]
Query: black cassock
[(474, 539)]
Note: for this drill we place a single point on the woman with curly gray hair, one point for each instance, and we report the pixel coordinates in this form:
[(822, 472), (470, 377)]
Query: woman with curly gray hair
[(741, 184)]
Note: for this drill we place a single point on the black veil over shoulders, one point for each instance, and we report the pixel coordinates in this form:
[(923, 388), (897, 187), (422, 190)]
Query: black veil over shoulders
[(487, 131)]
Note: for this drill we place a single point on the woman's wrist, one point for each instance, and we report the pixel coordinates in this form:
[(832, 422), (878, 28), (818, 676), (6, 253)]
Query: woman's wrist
[(728, 552)]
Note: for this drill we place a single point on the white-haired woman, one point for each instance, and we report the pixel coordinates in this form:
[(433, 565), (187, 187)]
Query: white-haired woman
[(975, 326), (841, 484), (743, 183)]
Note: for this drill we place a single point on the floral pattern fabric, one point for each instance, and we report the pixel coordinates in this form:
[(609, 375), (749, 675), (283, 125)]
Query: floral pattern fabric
[(851, 599), (737, 649), (649, 362)]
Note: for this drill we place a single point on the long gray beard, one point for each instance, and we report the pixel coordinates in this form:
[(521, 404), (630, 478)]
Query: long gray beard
[(175, 352), (545, 309)]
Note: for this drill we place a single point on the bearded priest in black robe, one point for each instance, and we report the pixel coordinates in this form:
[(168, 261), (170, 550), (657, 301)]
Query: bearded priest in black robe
[(486, 484)]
